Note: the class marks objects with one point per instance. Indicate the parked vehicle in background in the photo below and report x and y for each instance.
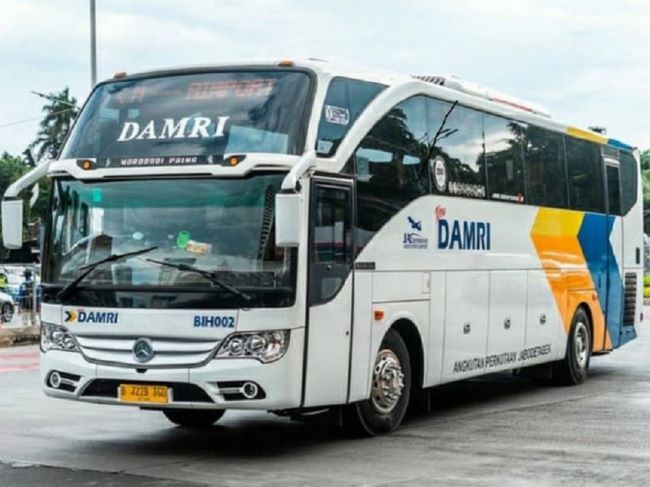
(7, 307)
(15, 275)
(303, 237)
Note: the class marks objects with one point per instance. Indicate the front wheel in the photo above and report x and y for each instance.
(572, 370)
(390, 391)
(193, 418)
(6, 312)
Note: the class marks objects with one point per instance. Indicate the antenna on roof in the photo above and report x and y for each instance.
(473, 89)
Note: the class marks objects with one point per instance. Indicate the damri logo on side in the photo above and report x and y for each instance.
(201, 127)
(412, 238)
(462, 234)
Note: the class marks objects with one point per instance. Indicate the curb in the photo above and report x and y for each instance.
(10, 337)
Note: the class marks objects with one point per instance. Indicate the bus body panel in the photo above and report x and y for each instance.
(363, 323)
(328, 345)
(466, 324)
(434, 349)
(281, 381)
(507, 318)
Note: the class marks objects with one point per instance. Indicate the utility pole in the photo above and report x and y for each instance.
(93, 46)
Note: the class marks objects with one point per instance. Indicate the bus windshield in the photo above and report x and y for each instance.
(200, 114)
(223, 226)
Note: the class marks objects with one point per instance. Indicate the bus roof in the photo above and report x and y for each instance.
(449, 88)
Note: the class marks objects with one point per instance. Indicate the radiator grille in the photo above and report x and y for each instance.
(629, 310)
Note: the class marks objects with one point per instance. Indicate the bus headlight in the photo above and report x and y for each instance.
(265, 346)
(55, 337)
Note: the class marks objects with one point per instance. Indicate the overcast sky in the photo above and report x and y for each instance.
(587, 61)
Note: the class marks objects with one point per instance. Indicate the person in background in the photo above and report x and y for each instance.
(26, 299)
(3, 280)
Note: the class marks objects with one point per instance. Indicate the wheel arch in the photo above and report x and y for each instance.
(411, 336)
(587, 309)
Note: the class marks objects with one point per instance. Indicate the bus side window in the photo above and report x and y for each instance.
(458, 158)
(629, 182)
(390, 166)
(344, 102)
(504, 158)
(585, 175)
(545, 168)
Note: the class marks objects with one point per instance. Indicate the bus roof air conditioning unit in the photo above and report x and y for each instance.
(473, 89)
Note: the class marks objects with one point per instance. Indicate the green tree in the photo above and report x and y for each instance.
(59, 113)
(645, 172)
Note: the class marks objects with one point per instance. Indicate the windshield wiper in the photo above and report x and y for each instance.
(87, 269)
(210, 275)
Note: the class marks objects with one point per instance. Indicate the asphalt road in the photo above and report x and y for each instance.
(500, 430)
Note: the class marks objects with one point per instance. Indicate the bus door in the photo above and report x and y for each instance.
(615, 293)
(330, 291)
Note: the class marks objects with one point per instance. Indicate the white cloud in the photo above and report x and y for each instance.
(586, 59)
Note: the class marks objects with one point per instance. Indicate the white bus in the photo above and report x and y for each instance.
(299, 237)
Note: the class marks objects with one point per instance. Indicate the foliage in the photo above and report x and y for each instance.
(59, 113)
(645, 171)
(646, 281)
(11, 168)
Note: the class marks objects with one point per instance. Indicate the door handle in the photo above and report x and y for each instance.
(467, 327)
(506, 323)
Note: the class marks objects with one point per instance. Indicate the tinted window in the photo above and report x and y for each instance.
(629, 181)
(613, 189)
(503, 155)
(206, 114)
(546, 168)
(332, 242)
(585, 175)
(344, 102)
(458, 159)
(390, 165)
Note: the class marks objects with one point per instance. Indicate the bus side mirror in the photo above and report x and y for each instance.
(12, 223)
(287, 219)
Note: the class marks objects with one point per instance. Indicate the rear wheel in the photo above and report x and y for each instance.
(193, 418)
(390, 391)
(574, 367)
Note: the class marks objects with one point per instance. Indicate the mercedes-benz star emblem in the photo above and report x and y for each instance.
(143, 350)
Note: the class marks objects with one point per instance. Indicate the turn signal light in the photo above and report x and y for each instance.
(379, 314)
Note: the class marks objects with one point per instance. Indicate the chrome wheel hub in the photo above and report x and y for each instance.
(387, 382)
(581, 343)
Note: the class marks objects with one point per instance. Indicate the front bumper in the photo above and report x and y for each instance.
(212, 386)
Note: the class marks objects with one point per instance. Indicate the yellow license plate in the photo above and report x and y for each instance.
(144, 394)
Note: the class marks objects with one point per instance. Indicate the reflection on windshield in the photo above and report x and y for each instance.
(221, 225)
(202, 114)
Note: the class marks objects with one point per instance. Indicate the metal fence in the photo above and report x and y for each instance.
(20, 295)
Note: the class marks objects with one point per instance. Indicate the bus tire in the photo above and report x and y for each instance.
(390, 390)
(7, 312)
(573, 369)
(193, 418)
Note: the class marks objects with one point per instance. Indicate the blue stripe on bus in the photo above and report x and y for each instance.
(594, 237)
(619, 145)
